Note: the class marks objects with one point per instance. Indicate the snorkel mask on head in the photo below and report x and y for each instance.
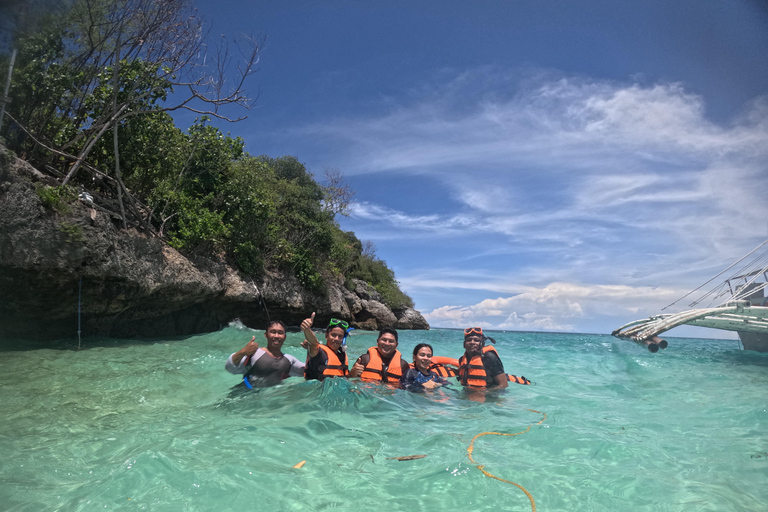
(477, 332)
(469, 331)
(474, 332)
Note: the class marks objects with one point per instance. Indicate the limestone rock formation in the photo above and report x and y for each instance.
(54, 265)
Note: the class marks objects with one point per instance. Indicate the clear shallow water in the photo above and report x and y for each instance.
(153, 426)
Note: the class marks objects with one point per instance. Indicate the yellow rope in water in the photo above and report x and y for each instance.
(486, 473)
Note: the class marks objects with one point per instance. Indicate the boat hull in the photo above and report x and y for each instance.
(754, 341)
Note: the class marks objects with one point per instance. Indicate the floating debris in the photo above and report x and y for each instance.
(407, 457)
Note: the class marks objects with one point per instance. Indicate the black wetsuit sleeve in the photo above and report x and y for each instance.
(439, 379)
(315, 365)
(408, 380)
(493, 367)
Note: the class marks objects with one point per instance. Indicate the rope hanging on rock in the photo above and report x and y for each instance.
(261, 298)
(79, 302)
(490, 475)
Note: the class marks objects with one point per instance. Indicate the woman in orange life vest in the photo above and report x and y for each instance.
(421, 376)
(327, 360)
(480, 366)
(382, 363)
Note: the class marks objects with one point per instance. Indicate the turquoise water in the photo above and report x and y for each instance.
(152, 426)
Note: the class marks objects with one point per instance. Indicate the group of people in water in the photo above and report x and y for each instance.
(480, 368)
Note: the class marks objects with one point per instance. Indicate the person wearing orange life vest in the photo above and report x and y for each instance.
(480, 366)
(382, 363)
(327, 360)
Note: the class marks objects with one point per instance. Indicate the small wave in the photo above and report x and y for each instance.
(240, 326)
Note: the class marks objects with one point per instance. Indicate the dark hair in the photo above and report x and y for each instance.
(421, 346)
(387, 330)
(273, 322)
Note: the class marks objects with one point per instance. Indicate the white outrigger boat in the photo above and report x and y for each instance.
(745, 309)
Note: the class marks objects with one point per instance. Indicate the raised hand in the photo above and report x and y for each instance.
(357, 369)
(313, 346)
(308, 322)
(251, 347)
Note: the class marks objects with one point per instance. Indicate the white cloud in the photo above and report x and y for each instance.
(555, 307)
(559, 181)
(598, 123)
(534, 322)
(540, 164)
(401, 220)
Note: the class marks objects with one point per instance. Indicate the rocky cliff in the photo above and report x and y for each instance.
(54, 264)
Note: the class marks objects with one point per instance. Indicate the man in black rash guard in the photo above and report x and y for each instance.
(480, 367)
(268, 366)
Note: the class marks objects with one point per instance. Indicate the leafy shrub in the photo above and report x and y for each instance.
(58, 199)
(198, 229)
(72, 232)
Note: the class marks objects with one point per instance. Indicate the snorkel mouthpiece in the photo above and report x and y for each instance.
(344, 339)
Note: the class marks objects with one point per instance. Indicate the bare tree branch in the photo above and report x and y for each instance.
(338, 193)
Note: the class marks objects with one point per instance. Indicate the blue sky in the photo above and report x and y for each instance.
(525, 165)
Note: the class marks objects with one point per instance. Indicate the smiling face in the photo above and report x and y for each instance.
(473, 345)
(422, 359)
(275, 335)
(334, 337)
(387, 344)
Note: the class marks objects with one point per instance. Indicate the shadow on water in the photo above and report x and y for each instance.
(20, 345)
(741, 358)
(340, 396)
(235, 330)
(716, 351)
(331, 395)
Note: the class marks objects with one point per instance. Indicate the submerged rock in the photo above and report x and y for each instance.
(123, 283)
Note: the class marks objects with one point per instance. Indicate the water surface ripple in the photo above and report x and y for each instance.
(157, 426)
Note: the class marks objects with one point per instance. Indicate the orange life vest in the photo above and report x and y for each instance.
(473, 374)
(443, 371)
(445, 360)
(439, 369)
(440, 366)
(518, 380)
(333, 367)
(374, 372)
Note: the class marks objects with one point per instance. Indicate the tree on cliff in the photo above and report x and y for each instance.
(104, 62)
(19, 17)
(120, 67)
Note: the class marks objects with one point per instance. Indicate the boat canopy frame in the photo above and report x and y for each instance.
(744, 310)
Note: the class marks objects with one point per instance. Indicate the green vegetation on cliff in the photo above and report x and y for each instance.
(92, 90)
